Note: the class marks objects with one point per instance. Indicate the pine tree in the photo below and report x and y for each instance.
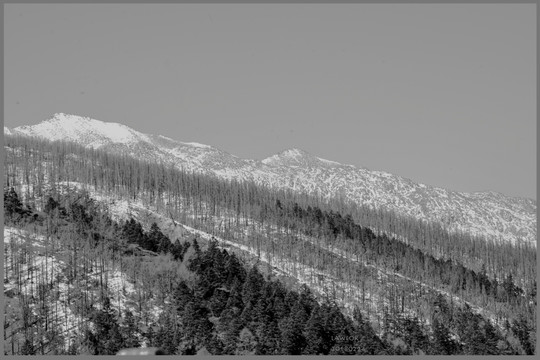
(292, 339)
(235, 296)
(414, 337)
(130, 329)
(314, 334)
(106, 339)
(13, 207)
(51, 205)
(230, 325)
(523, 330)
(28, 348)
(269, 338)
(442, 343)
(167, 337)
(196, 327)
(177, 251)
(252, 288)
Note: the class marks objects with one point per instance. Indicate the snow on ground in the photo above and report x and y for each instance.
(37, 267)
(383, 274)
(306, 275)
(319, 281)
(20, 236)
(195, 144)
(347, 295)
(44, 267)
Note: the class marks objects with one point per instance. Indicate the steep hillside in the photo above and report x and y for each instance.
(98, 220)
(487, 214)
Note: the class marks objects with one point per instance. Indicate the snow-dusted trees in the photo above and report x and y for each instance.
(306, 236)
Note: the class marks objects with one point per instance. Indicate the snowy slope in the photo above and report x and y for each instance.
(491, 214)
(88, 132)
(486, 213)
(322, 281)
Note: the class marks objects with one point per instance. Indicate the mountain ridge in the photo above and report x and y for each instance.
(297, 152)
(487, 213)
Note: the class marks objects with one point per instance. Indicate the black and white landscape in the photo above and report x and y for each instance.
(148, 241)
(352, 179)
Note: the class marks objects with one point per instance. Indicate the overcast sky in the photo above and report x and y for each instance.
(441, 94)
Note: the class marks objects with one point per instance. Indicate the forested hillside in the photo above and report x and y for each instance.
(486, 214)
(103, 246)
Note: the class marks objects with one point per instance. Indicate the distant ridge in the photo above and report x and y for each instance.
(490, 214)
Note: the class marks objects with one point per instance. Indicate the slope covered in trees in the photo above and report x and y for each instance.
(218, 304)
(432, 270)
(38, 162)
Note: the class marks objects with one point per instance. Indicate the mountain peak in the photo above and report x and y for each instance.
(67, 119)
(298, 157)
(71, 120)
(84, 130)
(295, 153)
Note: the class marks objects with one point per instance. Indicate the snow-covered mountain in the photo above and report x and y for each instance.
(490, 214)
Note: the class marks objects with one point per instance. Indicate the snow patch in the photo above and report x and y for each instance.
(194, 144)
(330, 162)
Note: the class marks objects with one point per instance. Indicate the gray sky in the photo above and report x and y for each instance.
(441, 94)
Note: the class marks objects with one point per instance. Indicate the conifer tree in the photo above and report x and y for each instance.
(442, 343)
(314, 334)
